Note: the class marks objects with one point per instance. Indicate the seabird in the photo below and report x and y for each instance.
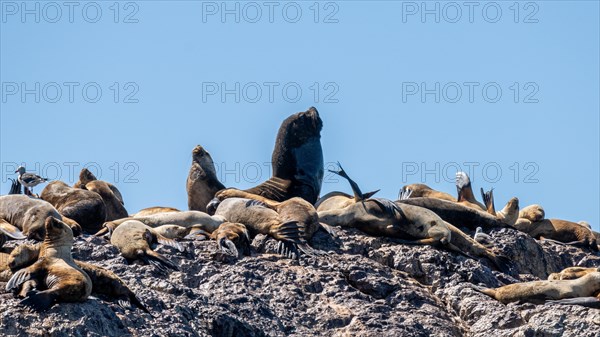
(29, 179)
(483, 238)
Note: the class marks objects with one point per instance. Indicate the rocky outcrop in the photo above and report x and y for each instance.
(359, 286)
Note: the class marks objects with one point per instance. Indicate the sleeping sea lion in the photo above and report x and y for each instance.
(54, 276)
(572, 273)
(562, 231)
(539, 291)
(113, 200)
(154, 210)
(133, 239)
(24, 217)
(422, 190)
(85, 207)
(532, 213)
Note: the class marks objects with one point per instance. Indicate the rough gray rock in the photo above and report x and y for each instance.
(360, 286)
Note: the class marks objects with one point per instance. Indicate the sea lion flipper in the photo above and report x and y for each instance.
(197, 234)
(370, 194)
(590, 302)
(169, 242)
(328, 229)
(227, 247)
(18, 279)
(404, 193)
(157, 259)
(39, 301)
(11, 231)
(358, 196)
(488, 200)
(288, 249)
(291, 231)
(15, 187)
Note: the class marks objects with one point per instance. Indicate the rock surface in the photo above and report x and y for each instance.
(362, 286)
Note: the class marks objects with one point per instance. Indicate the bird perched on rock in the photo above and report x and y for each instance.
(29, 179)
(482, 238)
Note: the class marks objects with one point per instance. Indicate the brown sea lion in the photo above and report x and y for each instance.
(538, 292)
(113, 200)
(85, 207)
(563, 231)
(24, 217)
(572, 273)
(153, 210)
(422, 190)
(229, 236)
(104, 281)
(532, 213)
(133, 239)
(508, 215)
(202, 182)
(54, 276)
(5, 272)
(461, 215)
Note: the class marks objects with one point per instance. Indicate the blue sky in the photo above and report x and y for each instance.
(393, 88)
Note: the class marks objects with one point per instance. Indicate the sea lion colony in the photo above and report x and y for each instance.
(286, 207)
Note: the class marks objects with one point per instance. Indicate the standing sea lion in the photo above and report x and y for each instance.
(113, 200)
(104, 281)
(539, 291)
(54, 276)
(22, 216)
(85, 207)
(559, 230)
(133, 239)
(202, 182)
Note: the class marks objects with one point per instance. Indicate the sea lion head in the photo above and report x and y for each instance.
(203, 158)
(57, 232)
(301, 126)
(22, 256)
(85, 176)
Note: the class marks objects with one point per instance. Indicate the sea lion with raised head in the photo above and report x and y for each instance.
(104, 281)
(537, 292)
(54, 276)
(133, 239)
(85, 207)
(22, 216)
(297, 162)
(562, 231)
(508, 215)
(113, 200)
(202, 182)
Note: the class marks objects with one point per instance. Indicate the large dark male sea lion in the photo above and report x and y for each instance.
(22, 216)
(85, 207)
(297, 162)
(54, 276)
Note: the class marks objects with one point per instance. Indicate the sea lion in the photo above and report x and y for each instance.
(113, 200)
(186, 219)
(229, 236)
(537, 292)
(410, 225)
(532, 213)
(508, 215)
(461, 215)
(563, 231)
(15, 186)
(202, 182)
(153, 210)
(85, 207)
(297, 162)
(133, 239)
(24, 217)
(54, 276)
(465, 192)
(572, 273)
(422, 190)
(104, 281)
(289, 227)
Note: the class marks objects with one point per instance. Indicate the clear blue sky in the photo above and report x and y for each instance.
(369, 59)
